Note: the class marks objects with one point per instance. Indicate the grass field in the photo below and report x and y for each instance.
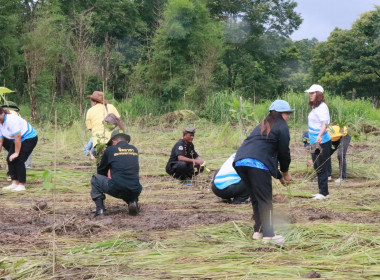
(186, 232)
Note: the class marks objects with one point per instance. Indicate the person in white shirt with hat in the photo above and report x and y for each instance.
(318, 121)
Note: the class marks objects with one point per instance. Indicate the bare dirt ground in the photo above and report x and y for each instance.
(163, 207)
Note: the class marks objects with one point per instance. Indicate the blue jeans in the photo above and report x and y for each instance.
(88, 148)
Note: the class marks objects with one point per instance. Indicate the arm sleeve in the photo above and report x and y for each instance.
(195, 154)
(88, 121)
(324, 114)
(15, 124)
(179, 150)
(283, 149)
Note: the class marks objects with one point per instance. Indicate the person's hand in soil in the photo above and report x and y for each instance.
(286, 179)
(309, 163)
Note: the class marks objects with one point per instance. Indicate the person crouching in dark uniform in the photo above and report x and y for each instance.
(184, 161)
(122, 160)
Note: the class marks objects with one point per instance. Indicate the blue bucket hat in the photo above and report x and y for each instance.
(281, 106)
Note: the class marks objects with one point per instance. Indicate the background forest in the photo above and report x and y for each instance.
(156, 56)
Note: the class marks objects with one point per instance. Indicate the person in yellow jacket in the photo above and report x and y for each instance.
(340, 142)
(100, 108)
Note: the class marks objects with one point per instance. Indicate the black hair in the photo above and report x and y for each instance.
(269, 121)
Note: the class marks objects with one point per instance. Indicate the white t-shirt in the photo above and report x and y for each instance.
(316, 118)
(227, 175)
(13, 125)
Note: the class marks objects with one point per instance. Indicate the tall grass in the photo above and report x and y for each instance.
(139, 106)
(353, 111)
(216, 108)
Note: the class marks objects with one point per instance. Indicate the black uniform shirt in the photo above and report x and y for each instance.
(123, 161)
(183, 149)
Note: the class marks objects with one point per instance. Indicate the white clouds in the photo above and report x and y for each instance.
(320, 17)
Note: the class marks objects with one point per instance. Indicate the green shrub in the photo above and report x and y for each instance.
(139, 106)
(216, 108)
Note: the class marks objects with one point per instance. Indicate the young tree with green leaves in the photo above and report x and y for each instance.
(11, 60)
(185, 51)
(42, 44)
(349, 61)
(256, 33)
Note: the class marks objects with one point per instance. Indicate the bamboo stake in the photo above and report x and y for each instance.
(54, 188)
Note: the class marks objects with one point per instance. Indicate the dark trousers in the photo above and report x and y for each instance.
(239, 191)
(321, 166)
(341, 148)
(99, 186)
(16, 167)
(182, 170)
(259, 183)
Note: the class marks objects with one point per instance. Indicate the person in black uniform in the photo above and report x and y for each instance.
(122, 160)
(184, 161)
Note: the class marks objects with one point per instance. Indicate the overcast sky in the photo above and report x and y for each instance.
(320, 17)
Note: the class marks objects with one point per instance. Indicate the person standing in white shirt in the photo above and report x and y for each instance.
(318, 120)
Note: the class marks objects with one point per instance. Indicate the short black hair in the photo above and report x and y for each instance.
(122, 138)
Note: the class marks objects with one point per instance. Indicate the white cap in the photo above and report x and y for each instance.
(315, 88)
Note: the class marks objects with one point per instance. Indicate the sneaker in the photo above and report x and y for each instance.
(329, 178)
(133, 208)
(257, 235)
(19, 188)
(10, 187)
(9, 179)
(277, 239)
(320, 196)
(339, 180)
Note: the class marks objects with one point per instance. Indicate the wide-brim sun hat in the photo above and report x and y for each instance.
(281, 106)
(315, 88)
(117, 133)
(10, 105)
(98, 96)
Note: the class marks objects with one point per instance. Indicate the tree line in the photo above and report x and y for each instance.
(175, 50)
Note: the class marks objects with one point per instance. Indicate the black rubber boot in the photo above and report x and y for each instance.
(133, 208)
(99, 207)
